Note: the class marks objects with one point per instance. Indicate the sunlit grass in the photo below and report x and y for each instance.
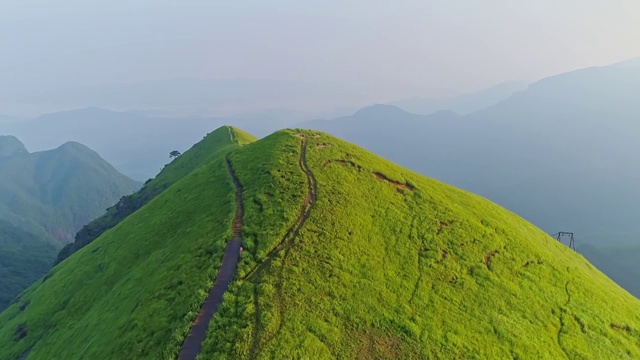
(389, 265)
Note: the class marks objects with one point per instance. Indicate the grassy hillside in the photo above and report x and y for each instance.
(212, 146)
(420, 270)
(347, 256)
(557, 153)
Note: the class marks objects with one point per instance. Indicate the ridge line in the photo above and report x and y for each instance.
(192, 344)
(286, 243)
(232, 134)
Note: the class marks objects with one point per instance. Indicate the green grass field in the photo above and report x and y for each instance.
(389, 264)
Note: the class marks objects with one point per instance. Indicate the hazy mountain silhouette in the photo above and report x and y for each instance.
(192, 96)
(53, 193)
(463, 104)
(134, 143)
(45, 197)
(11, 147)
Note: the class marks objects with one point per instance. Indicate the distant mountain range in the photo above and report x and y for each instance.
(45, 197)
(170, 115)
(135, 143)
(188, 97)
(562, 153)
(463, 104)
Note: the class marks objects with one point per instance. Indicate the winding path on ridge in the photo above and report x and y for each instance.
(286, 244)
(193, 343)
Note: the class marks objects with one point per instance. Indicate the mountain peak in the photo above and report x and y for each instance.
(379, 110)
(76, 148)
(10, 146)
(73, 145)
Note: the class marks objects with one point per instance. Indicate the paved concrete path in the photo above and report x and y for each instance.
(193, 343)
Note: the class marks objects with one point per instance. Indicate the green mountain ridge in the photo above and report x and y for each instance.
(66, 187)
(45, 197)
(214, 144)
(379, 262)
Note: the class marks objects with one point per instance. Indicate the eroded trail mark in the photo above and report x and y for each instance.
(533, 262)
(443, 256)
(487, 258)
(232, 133)
(344, 162)
(193, 343)
(443, 224)
(286, 244)
(400, 185)
(563, 311)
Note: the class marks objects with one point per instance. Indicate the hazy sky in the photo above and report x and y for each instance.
(388, 47)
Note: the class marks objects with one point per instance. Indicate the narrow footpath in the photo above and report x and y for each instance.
(193, 343)
(285, 244)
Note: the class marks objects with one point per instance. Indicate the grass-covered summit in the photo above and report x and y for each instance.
(346, 256)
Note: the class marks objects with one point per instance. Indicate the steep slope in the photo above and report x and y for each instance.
(420, 142)
(212, 146)
(562, 154)
(346, 255)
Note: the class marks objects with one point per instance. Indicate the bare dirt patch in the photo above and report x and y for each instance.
(533, 262)
(343, 162)
(397, 184)
(621, 327)
(488, 257)
(374, 346)
(443, 256)
(443, 224)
